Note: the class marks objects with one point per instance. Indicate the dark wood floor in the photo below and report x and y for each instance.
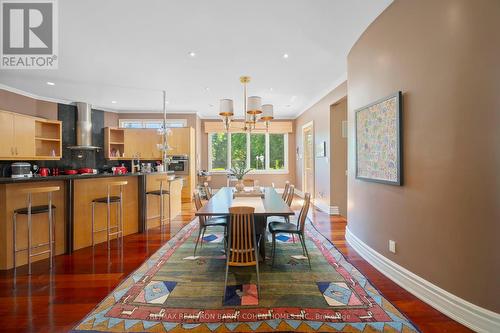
(45, 302)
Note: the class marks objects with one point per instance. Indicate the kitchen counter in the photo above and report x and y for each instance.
(73, 213)
(8, 180)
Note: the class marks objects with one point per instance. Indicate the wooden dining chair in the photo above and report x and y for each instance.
(285, 190)
(242, 248)
(208, 191)
(249, 182)
(206, 222)
(291, 228)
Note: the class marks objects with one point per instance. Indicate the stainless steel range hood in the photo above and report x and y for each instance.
(84, 127)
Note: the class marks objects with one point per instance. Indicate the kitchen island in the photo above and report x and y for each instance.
(73, 209)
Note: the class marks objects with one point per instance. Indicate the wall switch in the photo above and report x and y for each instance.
(392, 246)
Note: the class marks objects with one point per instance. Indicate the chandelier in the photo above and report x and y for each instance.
(253, 110)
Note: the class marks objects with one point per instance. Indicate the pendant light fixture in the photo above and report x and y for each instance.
(252, 109)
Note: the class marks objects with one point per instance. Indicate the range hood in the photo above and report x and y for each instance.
(84, 127)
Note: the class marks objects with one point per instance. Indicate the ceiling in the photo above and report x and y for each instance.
(127, 51)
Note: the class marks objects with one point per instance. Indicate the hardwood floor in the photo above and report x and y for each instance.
(45, 302)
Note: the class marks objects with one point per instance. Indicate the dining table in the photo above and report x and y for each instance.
(271, 204)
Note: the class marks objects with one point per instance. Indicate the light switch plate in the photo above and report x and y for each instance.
(392, 246)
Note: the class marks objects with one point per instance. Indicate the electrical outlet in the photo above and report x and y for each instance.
(392, 246)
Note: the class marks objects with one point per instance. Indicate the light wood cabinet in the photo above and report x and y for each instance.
(7, 130)
(179, 141)
(131, 142)
(26, 137)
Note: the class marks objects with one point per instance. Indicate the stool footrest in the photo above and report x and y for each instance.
(115, 233)
(39, 253)
(111, 227)
(34, 246)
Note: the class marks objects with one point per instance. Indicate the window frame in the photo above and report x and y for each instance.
(267, 170)
(144, 122)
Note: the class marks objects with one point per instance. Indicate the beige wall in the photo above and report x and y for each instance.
(10, 101)
(264, 179)
(338, 157)
(444, 56)
(319, 114)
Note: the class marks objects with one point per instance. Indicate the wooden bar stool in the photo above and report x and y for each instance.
(108, 200)
(160, 193)
(29, 211)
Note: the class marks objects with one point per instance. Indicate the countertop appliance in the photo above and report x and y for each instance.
(119, 170)
(179, 164)
(86, 171)
(21, 170)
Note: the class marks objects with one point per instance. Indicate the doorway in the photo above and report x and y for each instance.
(338, 157)
(308, 160)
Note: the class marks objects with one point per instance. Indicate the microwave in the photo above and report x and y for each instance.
(179, 164)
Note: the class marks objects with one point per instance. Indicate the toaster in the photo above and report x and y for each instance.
(21, 170)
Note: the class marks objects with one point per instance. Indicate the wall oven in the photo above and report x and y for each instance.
(179, 164)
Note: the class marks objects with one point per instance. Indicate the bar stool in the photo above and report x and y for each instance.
(108, 200)
(160, 193)
(29, 211)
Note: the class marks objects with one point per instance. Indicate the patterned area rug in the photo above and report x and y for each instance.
(175, 292)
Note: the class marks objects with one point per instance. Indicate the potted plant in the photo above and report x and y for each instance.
(239, 171)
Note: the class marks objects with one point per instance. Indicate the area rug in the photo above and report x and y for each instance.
(176, 292)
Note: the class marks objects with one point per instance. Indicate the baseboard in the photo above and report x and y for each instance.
(464, 312)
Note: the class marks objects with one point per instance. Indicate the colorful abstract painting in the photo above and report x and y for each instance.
(378, 141)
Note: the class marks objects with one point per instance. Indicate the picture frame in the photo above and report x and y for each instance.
(378, 140)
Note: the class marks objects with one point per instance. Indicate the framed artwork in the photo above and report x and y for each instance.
(321, 149)
(378, 141)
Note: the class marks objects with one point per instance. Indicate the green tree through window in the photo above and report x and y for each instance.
(219, 151)
(238, 149)
(258, 151)
(276, 151)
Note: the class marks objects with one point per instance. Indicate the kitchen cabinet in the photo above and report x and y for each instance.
(180, 140)
(18, 136)
(26, 137)
(130, 142)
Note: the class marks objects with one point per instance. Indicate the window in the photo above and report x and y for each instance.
(151, 123)
(218, 151)
(238, 150)
(258, 151)
(262, 152)
(276, 151)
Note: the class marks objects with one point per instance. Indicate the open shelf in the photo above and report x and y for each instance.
(48, 139)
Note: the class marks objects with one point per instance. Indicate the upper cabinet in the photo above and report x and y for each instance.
(29, 138)
(126, 143)
(180, 141)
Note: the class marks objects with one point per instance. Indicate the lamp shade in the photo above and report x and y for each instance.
(267, 112)
(226, 108)
(254, 105)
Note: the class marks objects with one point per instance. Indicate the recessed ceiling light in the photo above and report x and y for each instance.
(113, 102)
(192, 54)
(285, 56)
(270, 89)
(207, 88)
(211, 105)
(288, 106)
(51, 83)
(167, 102)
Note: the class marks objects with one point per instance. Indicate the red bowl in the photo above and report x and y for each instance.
(71, 172)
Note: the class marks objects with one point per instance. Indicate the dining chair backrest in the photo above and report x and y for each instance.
(242, 238)
(301, 222)
(248, 182)
(289, 197)
(285, 190)
(199, 205)
(208, 190)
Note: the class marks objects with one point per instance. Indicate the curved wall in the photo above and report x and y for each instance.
(445, 57)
